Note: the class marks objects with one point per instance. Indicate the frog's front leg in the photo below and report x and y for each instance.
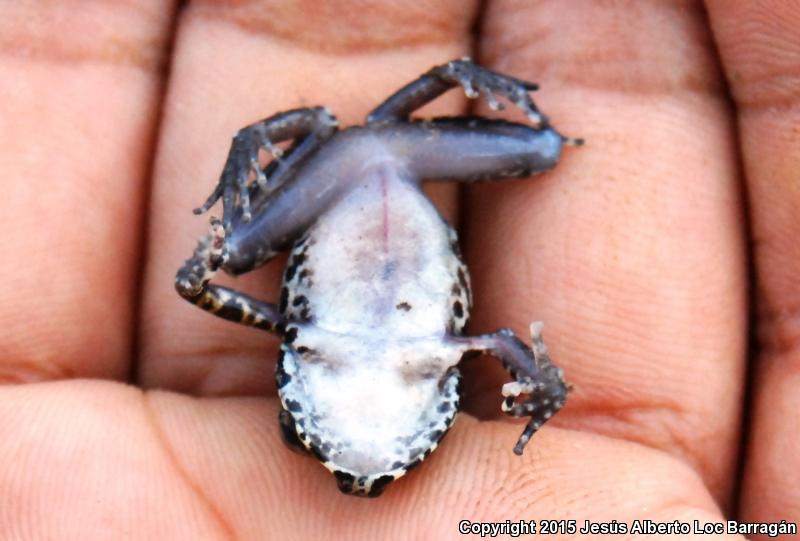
(192, 283)
(534, 375)
(309, 127)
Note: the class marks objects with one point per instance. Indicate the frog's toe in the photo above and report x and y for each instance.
(213, 198)
(546, 391)
(490, 98)
(477, 80)
(545, 398)
(261, 177)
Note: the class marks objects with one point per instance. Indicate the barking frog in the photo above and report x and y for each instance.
(375, 294)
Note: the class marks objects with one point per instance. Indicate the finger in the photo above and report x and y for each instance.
(212, 468)
(80, 98)
(759, 49)
(631, 251)
(84, 460)
(349, 64)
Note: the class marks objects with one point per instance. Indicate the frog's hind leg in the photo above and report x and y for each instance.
(474, 79)
(534, 375)
(470, 148)
(308, 127)
(222, 248)
(192, 283)
(474, 149)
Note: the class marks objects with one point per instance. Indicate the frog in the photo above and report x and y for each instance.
(375, 296)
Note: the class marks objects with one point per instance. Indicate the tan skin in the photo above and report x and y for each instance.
(636, 251)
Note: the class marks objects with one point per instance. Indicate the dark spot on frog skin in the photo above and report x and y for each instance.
(444, 407)
(281, 377)
(284, 299)
(456, 291)
(300, 299)
(462, 279)
(229, 312)
(403, 306)
(458, 309)
(264, 325)
(302, 350)
(294, 406)
(397, 465)
(315, 440)
(290, 335)
(297, 261)
(289, 432)
(379, 484)
(345, 481)
(317, 452)
(435, 435)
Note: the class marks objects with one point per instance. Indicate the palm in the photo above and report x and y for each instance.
(634, 253)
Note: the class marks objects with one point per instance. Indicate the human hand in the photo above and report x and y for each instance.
(634, 251)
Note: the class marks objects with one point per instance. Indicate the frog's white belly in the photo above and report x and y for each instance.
(381, 257)
(370, 406)
(376, 289)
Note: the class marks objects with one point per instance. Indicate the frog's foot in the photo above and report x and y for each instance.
(546, 389)
(192, 283)
(479, 81)
(235, 178)
(234, 186)
(534, 373)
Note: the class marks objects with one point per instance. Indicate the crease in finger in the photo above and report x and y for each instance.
(759, 50)
(151, 416)
(77, 143)
(343, 28)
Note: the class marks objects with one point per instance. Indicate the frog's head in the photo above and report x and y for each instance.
(368, 424)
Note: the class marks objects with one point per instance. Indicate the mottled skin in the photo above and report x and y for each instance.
(375, 295)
